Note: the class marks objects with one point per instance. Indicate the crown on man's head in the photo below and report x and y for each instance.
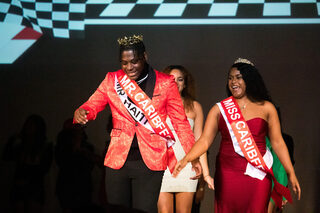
(243, 60)
(126, 41)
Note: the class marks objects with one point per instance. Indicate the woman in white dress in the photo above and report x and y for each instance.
(183, 188)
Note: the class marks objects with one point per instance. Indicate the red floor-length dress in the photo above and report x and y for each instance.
(235, 191)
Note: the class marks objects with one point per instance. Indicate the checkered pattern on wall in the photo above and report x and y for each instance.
(22, 22)
(59, 18)
(203, 9)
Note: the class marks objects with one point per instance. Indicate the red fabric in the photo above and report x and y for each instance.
(166, 99)
(157, 122)
(234, 117)
(236, 192)
(28, 33)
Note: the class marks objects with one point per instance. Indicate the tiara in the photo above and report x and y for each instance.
(126, 41)
(243, 60)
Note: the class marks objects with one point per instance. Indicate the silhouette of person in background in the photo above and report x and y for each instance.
(76, 159)
(287, 138)
(32, 155)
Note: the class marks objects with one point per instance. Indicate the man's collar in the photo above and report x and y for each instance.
(144, 74)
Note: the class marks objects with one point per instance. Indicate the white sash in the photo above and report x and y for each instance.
(134, 111)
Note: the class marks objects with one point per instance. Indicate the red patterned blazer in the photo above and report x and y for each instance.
(153, 148)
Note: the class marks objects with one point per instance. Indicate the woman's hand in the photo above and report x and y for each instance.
(209, 181)
(179, 166)
(294, 184)
(196, 166)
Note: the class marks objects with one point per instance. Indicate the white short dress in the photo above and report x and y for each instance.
(182, 183)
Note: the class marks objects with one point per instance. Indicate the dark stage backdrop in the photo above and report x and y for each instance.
(55, 76)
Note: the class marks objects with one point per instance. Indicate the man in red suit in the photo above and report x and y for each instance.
(137, 155)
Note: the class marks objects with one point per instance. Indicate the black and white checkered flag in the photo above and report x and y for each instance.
(58, 18)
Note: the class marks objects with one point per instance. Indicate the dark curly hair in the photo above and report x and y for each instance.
(138, 49)
(188, 92)
(256, 89)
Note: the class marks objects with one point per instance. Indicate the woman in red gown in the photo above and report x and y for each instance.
(236, 191)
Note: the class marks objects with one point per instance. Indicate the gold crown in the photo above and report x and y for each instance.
(243, 60)
(126, 41)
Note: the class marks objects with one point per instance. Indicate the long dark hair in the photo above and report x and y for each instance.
(188, 92)
(256, 89)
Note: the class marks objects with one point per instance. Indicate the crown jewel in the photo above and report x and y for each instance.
(126, 41)
(243, 60)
